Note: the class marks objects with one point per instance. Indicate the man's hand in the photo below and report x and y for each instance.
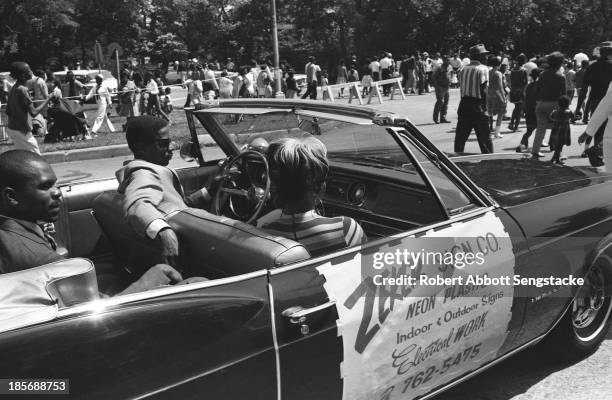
(193, 279)
(157, 275)
(582, 138)
(169, 244)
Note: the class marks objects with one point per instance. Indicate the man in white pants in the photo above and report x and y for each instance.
(602, 113)
(103, 99)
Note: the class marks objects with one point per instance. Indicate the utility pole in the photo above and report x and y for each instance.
(277, 71)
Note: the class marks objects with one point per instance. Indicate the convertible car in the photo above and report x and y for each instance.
(400, 316)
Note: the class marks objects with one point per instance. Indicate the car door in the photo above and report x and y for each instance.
(343, 332)
(203, 340)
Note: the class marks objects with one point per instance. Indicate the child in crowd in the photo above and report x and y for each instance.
(166, 101)
(292, 89)
(561, 131)
(529, 106)
(324, 83)
(366, 78)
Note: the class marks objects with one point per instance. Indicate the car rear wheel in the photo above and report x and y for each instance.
(586, 323)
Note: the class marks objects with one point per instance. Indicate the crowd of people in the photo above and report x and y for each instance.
(56, 111)
(535, 86)
(541, 88)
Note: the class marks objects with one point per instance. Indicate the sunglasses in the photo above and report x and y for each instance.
(163, 143)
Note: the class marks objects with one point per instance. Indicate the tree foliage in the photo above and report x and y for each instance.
(64, 31)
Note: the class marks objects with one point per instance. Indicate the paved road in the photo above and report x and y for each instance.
(527, 376)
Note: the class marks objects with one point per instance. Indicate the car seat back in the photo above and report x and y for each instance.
(209, 245)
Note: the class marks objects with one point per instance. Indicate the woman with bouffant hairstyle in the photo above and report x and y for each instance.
(298, 170)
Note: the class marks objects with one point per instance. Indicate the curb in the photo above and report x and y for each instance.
(93, 153)
(117, 150)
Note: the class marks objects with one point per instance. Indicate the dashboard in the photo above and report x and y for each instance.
(382, 204)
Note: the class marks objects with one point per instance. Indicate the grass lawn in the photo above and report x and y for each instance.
(178, 131)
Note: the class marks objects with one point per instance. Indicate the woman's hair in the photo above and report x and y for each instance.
(564, 102)
(297, 167)
(555, 60)
(535, 73)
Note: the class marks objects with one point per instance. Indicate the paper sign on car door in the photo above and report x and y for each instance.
(410, 322)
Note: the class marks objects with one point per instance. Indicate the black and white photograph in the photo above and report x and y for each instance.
(306, 199)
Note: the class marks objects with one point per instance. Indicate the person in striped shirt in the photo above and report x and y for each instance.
(472, 112)
(298, 169)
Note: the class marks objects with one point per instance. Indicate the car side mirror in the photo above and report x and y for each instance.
(189, 151)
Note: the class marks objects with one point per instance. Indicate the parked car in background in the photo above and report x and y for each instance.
(88, 77)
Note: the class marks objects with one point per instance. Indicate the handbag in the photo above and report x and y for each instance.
(595, 155)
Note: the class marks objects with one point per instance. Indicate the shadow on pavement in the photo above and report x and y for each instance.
(510, 378)
(426, 124)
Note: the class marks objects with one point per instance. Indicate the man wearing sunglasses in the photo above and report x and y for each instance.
(151, 189)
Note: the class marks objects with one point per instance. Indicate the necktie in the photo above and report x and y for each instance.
(48, 229)
(51, 241)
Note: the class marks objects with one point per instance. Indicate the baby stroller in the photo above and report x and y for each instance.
(66, 120)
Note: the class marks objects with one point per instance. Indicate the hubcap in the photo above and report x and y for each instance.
(591, 308)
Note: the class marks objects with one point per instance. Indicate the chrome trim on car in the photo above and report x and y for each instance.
(462, 178)
(102, 304)
(275, 341)
(378, 242)
(441, 163)
(304, 312)
(419, 168)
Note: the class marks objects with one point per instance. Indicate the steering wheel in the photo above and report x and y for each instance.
(235, 180)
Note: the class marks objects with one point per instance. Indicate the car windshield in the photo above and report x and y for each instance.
(348, 139)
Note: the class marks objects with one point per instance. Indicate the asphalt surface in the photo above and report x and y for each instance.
(526, 376)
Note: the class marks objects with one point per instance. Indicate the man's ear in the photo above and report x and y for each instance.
(139, 148)
(9, 197)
